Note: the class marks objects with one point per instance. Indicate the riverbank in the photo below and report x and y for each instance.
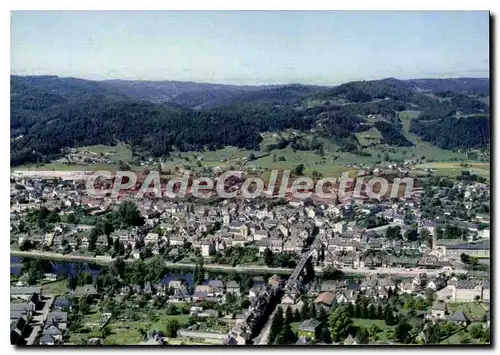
(251, 269)
(107, 260)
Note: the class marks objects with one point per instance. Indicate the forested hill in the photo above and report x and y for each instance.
(49, 113)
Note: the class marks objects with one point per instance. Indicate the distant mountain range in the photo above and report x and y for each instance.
(50, 112)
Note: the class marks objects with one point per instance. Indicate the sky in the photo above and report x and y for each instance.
(250, 47)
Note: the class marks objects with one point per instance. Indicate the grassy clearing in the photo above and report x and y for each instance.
(369, 137)
(59, 287)
(471, 309)
(452, 169)
(128, 332)
(367, 323)
(116, 153)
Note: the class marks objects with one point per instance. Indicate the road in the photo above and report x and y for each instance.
(39, 320)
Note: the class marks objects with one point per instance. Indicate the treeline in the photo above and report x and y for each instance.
(453, 133)
(391, 135)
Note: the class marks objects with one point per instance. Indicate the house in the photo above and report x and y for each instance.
(216, 288)
(27, 293)
(459, 318)
(209, 313)
(180, 295)
(350, 340)
(309, 328)
(233, 287)
(290, 299)
(199, 295)
(438, 309)
(85, 290)
(17, 331)
(194, 310)
(348, 296)
(125, 290)
(274, 281)
(47, 340)
(58, 318)
(406, 287)
(207, 249)
(437, 283)
(255, 291)
(151, 238)
(53, 331)
(325, 299)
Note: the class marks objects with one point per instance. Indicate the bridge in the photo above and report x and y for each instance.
(298, 269)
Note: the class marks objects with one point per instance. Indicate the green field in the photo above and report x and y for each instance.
(332, 163)
(471, 309)
(59, 287)
(127, 332)
(452, 169)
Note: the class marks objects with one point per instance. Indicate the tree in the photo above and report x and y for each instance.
(171, 328)
(304, 312)
(129, 214)
(357, 310)
(389, 316)
(339, 322)
(276, 324)
(312, 311)
(476, 331)
(380, 312)
(374, 329)
(72, 283)
(297, 316)
(268, 257)
(325, 336)
(286, 336)
(289, 317)
(362, 335)
(94, 234)
(26, 245)
(371, 312)
(402, 333)
(350, 309)
(432, 332)
(322, 315)
(299, 169)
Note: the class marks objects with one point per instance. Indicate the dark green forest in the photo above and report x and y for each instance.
(50, 113)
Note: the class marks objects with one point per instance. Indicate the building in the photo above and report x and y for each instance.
(309, 328)
(438, 309)
(233, 287)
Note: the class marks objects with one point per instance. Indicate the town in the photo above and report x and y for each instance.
(115, 270)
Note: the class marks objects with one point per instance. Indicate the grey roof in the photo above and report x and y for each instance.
(46, 339)
(309, 325)
(232, 284)
(25, 290)
(17, 314)
(60, 317)
(85, 290)
(439, 306)
(469, 246)
(25, 306)
(466, 284)
(51, 330)
(459, 317)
